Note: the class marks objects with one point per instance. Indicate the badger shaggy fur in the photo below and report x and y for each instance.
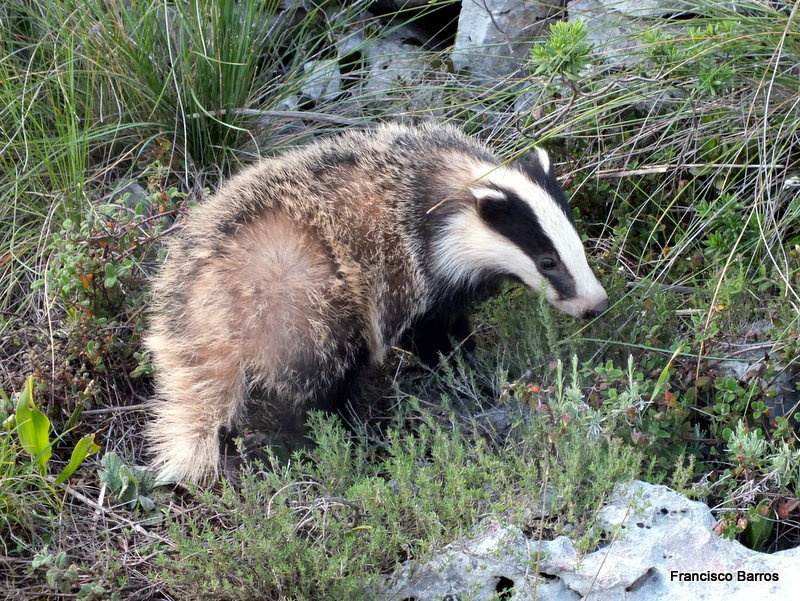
(305, 267)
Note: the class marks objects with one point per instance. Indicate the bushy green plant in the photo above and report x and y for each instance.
(99, 275)
(342, 513)
(565, 53)
(747, 449)
(785, 463)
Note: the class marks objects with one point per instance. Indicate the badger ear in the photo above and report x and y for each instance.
(490, 202)
(536, 164)
(540, 155)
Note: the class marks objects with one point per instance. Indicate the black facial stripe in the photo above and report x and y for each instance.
(515, 220)
(532, 167)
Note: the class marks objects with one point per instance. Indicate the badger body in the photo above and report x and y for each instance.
(305, 267)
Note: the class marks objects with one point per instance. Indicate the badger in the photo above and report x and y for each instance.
(304, 268)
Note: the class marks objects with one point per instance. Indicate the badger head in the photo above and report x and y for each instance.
(515, 220)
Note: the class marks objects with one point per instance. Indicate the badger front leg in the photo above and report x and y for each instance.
(436, 334)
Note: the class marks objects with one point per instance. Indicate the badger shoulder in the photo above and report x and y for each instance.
(361, 192)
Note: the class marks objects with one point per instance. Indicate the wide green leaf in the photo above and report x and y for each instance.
(33, 427)
(760, 525)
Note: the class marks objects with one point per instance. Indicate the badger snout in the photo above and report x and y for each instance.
(588, 302)
(597, 310)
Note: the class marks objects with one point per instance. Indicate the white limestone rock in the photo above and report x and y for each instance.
(658, 537)
(494, 37)
(614, 25)
(323, 79)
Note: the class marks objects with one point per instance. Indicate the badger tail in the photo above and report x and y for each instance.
(193, 405)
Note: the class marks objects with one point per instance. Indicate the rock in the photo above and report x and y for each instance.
(473, 569)
(750, 365)
(289, 103)
(129, 193)
(393, 63)
(614, 25)
(323, 80)
(664, 535)
(494, 38)
(392, 66)
(661, 546)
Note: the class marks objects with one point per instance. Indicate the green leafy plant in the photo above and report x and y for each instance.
(747, 449)
(129, 485)
(60, 576)
(63, 578)
(760, 524)
(32, 427)
(785, 462)
(566, 52)
(30, 495)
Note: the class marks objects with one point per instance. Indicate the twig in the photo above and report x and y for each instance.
(280, 115)
(112, 514)
(118, 409)
(100, 498)
(653, 169)
(753, 347)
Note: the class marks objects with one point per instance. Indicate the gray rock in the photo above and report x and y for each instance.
(614, 25)
(323, 79)
(392, 67)
(393, 63)
(129, 193)
(494, 37)
(289, 103)
(658, 537)
(471, 569)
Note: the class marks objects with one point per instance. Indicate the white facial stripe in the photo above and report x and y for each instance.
(543, 158)
(468, 249)
(588, 291)
(486, 193)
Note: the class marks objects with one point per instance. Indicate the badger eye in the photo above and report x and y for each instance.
(547, 264)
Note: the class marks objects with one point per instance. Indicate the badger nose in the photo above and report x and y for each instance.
(597, 310)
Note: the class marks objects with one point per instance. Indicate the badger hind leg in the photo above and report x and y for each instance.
(203, 398)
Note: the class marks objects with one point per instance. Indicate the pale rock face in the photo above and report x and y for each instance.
(494, 38)
(656, 535)
(614, 24)
(324, 81)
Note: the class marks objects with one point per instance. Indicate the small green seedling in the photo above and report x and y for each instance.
(129, 485)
